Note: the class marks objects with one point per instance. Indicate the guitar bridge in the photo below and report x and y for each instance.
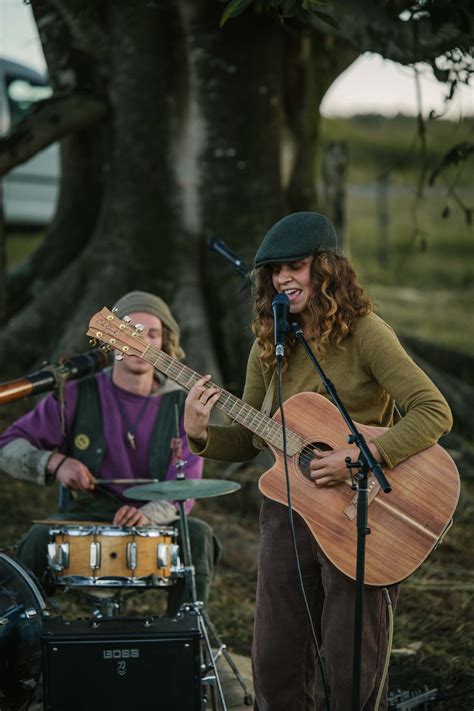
(373, 489)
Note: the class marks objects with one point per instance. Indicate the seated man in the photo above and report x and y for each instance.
(117, 424)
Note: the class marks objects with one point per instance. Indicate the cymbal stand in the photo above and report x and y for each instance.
(211, 675)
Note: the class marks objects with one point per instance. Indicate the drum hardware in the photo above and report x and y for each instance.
(179, 491)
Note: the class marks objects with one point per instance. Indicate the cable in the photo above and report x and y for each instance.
(388, 600)
(293, 539)
(452, 696)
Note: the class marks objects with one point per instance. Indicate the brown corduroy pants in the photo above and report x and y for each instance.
(283, 655)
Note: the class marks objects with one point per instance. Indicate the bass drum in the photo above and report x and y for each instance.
(22, 604)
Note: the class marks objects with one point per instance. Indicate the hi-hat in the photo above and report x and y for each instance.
(180, 490)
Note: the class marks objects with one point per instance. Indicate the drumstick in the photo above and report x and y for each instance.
(106, 482)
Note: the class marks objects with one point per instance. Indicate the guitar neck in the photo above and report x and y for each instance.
(239, 411)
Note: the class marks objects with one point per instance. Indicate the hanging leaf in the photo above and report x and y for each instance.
(328, 19)
(234, 9)
(446, 212)
(457, 154)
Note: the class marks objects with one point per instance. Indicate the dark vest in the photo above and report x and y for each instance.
(88, 422)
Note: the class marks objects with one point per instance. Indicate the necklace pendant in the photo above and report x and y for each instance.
(131, 439)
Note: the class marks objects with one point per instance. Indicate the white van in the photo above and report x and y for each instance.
(30, 191)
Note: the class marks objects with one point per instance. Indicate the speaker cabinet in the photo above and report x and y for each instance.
(122, 664)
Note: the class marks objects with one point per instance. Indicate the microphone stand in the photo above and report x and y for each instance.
(231, 257)
(366, 462)
(211, 674)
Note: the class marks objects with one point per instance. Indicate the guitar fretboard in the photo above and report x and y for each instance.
(239, 411)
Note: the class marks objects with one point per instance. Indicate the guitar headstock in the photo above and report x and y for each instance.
(116, 333)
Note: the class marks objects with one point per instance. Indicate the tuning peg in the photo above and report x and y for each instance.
(127, 319)
(106, 348)
(139, 327)
(114, 310)
(118, 356)
(93, 342)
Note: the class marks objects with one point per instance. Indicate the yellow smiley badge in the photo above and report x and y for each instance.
(82, 441)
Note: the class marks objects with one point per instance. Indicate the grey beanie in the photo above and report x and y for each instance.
(136, 301)
(296, 236)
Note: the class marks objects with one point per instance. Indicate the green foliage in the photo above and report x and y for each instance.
(301, 9)
(234, 9)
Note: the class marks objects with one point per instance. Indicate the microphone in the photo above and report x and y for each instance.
(222, 249)
(41, 381)
(280, 305)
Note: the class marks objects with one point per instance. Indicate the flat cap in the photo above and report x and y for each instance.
(144, 302)
(296, 236)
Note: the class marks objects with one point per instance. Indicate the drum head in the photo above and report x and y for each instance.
(21, 609)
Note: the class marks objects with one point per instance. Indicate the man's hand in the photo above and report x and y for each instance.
(130, 516)
(328, 468)
(72, 473)
(197, 409)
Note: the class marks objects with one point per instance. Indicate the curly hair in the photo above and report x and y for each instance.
(337, 303)
(171, 344)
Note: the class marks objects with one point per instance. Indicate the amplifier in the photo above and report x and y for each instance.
(122, 664)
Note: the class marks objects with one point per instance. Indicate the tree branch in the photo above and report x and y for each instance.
(49, 121)
(377, 27)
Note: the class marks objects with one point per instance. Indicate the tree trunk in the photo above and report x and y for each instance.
(193, 146)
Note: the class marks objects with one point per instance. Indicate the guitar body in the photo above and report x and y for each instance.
(405, 525)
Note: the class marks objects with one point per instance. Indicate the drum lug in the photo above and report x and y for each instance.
(58, 556)
(175, 560)
(30, 612)
(163, 555)
(95, 555)
(3, 621)
(131, 556)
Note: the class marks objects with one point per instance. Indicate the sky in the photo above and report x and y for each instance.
(370, 85)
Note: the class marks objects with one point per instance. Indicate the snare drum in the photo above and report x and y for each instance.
(113, 556)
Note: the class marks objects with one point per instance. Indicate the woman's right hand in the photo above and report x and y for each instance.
(197, 409)
(72, 473)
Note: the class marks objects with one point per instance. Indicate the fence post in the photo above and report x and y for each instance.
(334, 170)
(383, 219)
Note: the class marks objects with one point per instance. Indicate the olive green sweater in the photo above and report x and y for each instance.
(370, 371)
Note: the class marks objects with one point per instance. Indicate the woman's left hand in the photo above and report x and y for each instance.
(130, 516)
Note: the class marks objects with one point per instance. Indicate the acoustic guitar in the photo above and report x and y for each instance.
(405, 525)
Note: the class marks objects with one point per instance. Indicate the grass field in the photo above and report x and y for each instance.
(379, 145)
(426, 289)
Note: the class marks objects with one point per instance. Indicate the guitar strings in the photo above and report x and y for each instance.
(176, 370)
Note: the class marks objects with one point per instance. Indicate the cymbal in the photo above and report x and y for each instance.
(180, 490)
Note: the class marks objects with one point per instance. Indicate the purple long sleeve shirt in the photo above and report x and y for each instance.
(42, 428)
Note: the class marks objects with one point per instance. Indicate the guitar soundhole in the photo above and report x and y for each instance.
(307, 454)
